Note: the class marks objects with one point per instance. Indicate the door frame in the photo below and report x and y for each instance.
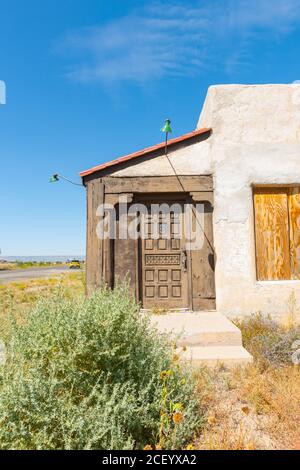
(199, 188)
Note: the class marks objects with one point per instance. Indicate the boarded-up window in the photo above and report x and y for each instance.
(277, 233)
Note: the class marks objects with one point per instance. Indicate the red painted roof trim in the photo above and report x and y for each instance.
(145, 151)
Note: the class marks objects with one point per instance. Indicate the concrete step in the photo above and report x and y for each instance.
(228, 356)
(199, 329)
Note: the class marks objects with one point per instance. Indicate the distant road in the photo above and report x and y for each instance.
(32, 273)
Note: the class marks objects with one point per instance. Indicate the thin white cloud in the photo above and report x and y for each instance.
(279, 15)
(179, 39)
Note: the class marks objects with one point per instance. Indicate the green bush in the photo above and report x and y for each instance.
(91, 374)
(267, 340)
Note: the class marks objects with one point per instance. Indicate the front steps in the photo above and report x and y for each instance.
(229, 356)
(204, 338)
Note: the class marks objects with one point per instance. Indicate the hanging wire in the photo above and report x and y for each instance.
(69, 181)
(183, 189)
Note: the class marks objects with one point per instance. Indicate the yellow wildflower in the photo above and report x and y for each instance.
(211, 420)
(190, 447)
(246, 410)
(177, 417)
(165, 373)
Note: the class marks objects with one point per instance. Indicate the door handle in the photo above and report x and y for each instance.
(183, 260)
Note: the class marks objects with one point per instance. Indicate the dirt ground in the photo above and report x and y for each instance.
(247, 409)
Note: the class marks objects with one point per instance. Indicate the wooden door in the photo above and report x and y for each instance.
(164, 261)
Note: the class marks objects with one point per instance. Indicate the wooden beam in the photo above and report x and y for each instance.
(157, 184)
(94, 245)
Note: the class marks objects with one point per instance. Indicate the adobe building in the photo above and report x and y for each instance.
(241, 166)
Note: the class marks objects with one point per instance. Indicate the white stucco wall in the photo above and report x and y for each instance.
(191, 160)
(256, 140)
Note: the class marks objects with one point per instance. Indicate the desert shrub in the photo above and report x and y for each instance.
(91, 374)
(267, 340)
(18, 298)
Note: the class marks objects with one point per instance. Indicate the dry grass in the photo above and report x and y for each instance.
(29, 265)
(230, 424)
(7, 266)
(257, 407)
(275, 393)
(17, 297)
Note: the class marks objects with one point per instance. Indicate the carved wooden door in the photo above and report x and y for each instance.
(164, 261)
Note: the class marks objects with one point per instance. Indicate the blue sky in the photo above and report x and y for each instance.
(90, 80)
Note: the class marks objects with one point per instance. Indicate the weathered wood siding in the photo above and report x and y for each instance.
(94, 244)
(125, 260)
(157, 184)
(203, 265)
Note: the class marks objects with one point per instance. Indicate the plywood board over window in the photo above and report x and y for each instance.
(294, 219)
(277, 233)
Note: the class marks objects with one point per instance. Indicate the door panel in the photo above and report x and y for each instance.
(203, 262)
(164, 261)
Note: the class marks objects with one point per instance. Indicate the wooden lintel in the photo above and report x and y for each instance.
(157, 184)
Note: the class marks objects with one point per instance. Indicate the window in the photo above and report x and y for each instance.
(277, 233)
